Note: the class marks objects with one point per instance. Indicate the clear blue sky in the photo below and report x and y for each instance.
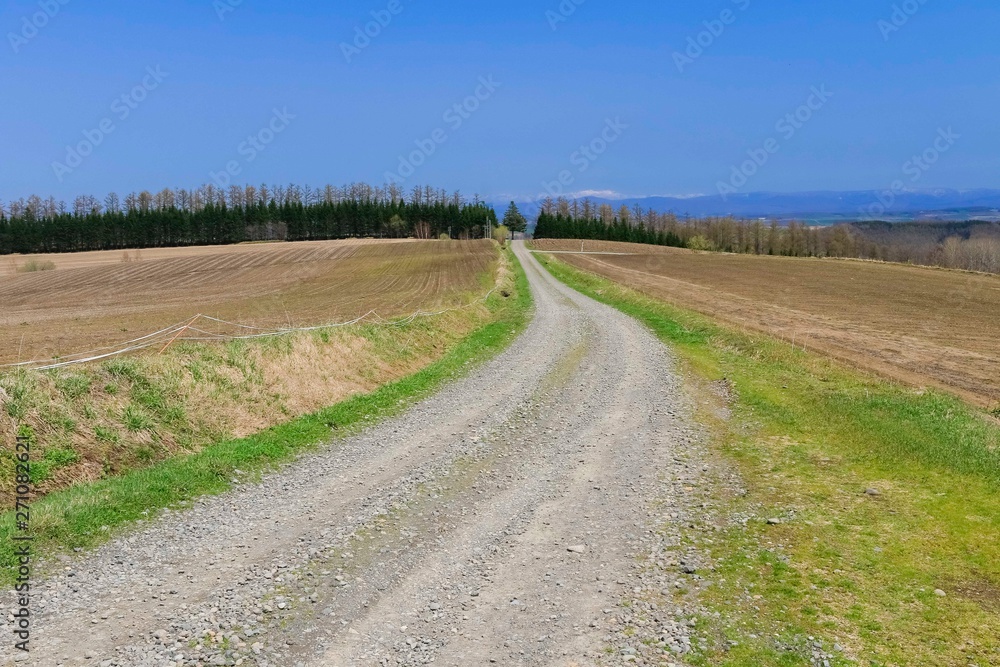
(557, 88)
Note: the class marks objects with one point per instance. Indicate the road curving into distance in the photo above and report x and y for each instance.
(524, 515)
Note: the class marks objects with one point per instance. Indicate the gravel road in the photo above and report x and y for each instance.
(527, 514)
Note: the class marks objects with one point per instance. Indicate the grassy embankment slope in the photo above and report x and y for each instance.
(809, 437)
(188, 398)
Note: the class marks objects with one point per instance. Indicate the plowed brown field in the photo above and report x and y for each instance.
(96, 299)
(922, 326)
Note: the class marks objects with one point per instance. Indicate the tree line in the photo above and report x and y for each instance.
(559, 226)
(973, 245)
(213, 216)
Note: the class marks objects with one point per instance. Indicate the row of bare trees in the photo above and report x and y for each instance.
(973, 245)
(975, 254)
(725, 234)
(235, 196)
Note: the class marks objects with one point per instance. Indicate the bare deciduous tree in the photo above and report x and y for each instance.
(35, 206)
(112, 204)
(422, 230)
(234, 197)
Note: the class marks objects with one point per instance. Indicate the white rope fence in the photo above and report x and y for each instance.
(178, 332)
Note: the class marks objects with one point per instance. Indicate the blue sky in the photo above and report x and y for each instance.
(679, 129)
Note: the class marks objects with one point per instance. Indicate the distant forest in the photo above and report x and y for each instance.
(215, 216)
(973, 245)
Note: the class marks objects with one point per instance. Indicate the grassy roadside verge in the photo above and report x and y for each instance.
(910, 576)
(87, 514)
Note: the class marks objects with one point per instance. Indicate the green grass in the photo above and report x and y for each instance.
(808, 437)
(85, 515)
(135, 419)
(73, 386)
(18, 387)
(53, 460)
(106, 434)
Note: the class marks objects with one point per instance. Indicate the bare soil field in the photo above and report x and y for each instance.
(102, 298)
(922, 326)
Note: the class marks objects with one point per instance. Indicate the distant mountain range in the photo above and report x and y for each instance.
(815, 207)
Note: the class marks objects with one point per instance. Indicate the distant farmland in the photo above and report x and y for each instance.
(94, 299)
(925, 327)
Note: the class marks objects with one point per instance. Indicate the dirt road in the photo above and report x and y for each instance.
(525, 515)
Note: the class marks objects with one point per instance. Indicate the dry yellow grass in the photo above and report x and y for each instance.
(100, 419)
